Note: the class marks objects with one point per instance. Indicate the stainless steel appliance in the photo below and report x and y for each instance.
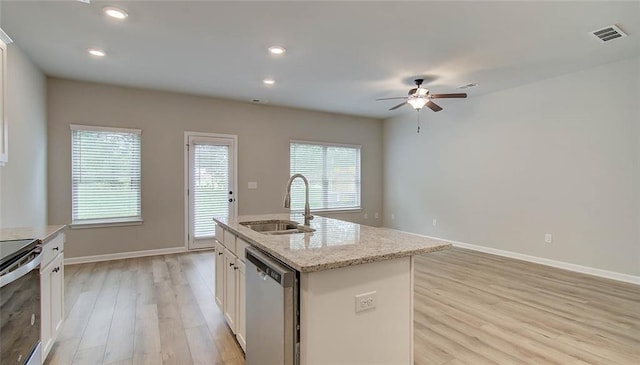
(272, 311)
(20, 302)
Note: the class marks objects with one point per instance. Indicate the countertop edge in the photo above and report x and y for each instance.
(337, 264)
(41, 233)
(53, 233)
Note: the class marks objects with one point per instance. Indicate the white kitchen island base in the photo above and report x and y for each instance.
(336, 261)
(333, 333)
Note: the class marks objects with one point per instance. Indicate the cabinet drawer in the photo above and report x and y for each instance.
(51, 249)
(229, 241)
(241, 245)
(219, 233)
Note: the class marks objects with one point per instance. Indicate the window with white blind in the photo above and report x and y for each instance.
(210, 182)
(105, 175)
(333, 172)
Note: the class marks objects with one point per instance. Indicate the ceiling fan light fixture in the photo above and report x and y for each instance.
(418, 103)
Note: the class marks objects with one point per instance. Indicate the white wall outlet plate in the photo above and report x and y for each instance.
(252, 185)
(435, 222)
(365, 301)
(548, 238)
(377, 215)
(366, 215)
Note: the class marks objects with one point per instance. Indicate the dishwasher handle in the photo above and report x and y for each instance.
(268, 268)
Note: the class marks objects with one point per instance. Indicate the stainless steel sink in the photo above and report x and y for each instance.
(272, 227)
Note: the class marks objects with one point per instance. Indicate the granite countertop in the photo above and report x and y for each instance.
(334, 244)
(43, 233)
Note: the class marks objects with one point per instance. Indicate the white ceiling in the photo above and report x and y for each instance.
(340, 55)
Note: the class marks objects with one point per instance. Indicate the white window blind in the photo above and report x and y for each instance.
(105, 175)
(333, 172)
(210, 187)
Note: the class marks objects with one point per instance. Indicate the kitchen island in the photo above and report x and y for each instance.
(336, 263)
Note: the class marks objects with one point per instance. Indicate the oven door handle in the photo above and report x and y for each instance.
(21, 271)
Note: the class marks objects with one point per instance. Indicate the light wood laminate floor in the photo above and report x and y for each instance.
(471, 308)
(476, 308)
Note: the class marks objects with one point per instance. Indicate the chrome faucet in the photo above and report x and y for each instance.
(287, 198)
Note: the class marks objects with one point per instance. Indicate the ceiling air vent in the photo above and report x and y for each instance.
(467, 86)
(609, 33)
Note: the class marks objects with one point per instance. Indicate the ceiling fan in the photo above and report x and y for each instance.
(420, 96)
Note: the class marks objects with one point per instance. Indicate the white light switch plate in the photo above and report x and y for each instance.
(253, 185)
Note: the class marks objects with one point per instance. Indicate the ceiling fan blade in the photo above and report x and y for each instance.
(448, 96)
(433, 106)
(399, 105)
(399, 97)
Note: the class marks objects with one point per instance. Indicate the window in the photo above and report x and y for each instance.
(105, 175)
(333, 172)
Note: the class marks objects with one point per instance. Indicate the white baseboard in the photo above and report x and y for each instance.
(123, 255)
(632, 279)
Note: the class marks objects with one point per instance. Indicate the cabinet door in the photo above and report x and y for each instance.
(241, 326)
(230, 289)
(51, 303)
(45, 309)
(57, 296)
(219, 273)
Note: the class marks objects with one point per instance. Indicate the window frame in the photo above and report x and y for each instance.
(333, 144)
(113, 221)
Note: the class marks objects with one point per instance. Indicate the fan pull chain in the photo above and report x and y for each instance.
(418, 117)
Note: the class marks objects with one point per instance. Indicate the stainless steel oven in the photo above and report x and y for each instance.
(20, 302)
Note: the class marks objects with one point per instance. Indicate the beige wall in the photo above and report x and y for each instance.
(23, 194)
(263, 156)
(559, 156)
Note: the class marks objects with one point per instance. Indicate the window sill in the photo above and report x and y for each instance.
(331, 211)
(106, 223)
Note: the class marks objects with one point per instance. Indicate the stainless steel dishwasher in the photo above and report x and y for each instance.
(272, 311)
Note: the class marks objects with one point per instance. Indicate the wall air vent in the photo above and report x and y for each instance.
(609, 33)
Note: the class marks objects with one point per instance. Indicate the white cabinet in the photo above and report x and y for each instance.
(230, 281)
(51, 292)
(4, 137)
(230, 309)
(241, 325)
(219, 279)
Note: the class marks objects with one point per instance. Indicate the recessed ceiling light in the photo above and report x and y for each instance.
(96, 52)
(277, 50)
(114, 12)
(268, 81)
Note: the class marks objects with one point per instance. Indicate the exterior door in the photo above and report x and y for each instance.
(211, 185)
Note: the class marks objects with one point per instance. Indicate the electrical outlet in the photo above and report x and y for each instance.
(252, 185)
(393, 216)
(548, 238)
(366, 216)
(377, 215)
(365, 301)
(435, 222)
